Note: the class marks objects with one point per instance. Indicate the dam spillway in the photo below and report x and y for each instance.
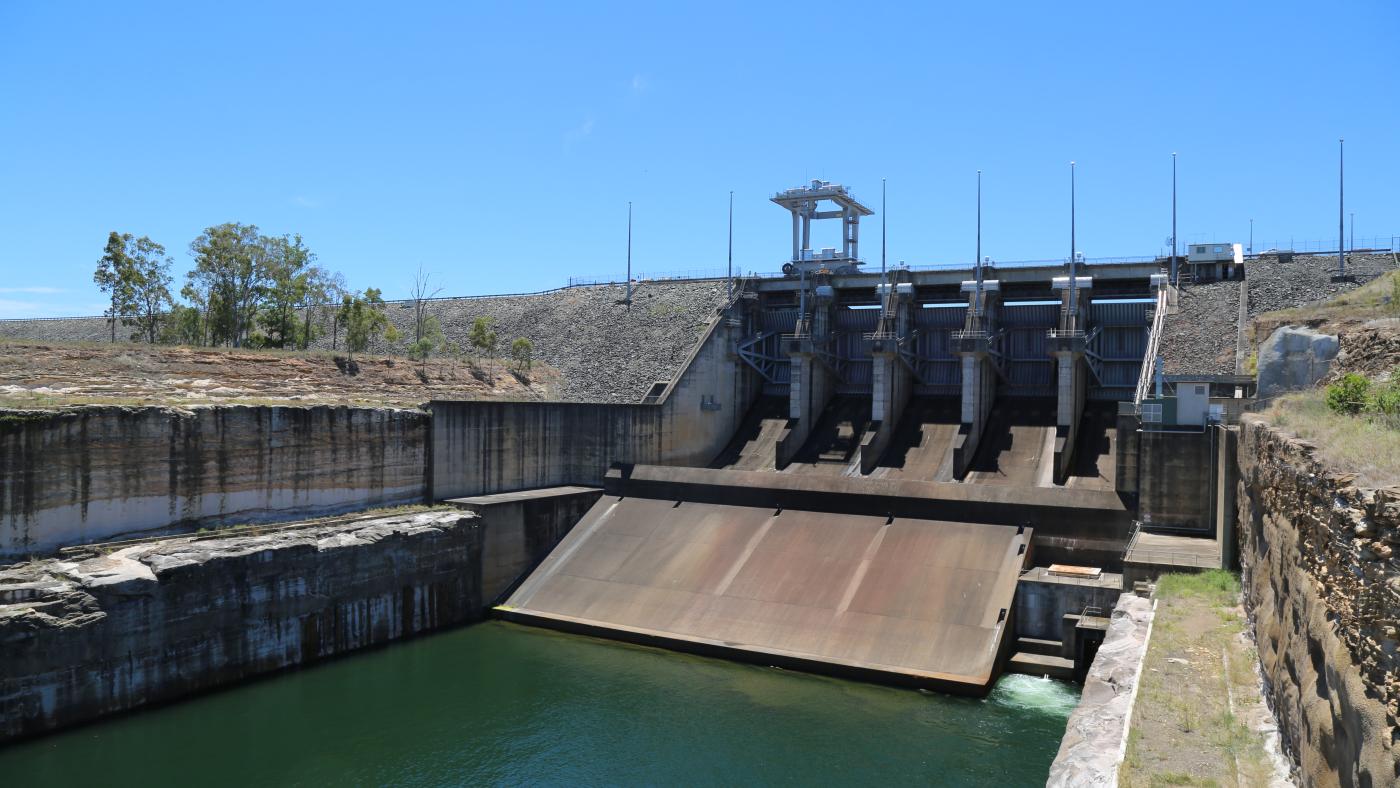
(901, 600)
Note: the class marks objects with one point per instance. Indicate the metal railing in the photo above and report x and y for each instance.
(1154, 342)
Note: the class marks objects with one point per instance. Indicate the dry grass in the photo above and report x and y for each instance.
(1379, 297)
(1365, 445)
(1197, 683)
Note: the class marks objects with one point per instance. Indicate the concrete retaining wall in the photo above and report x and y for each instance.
(489, 447)
(93, 473)
(1176, 480)
(1320, 584)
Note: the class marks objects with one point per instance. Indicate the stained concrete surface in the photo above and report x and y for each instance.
(920, 602)
(922, 445)
(1018, 447)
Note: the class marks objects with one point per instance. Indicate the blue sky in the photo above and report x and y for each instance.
(497, 144)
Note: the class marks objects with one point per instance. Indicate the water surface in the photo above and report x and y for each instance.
(498, 703)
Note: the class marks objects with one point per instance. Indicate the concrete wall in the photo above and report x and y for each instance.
(1320, 586)
(489, 447)
(1042, 600)
(520, 529)
(167, 619)
(1176, 480)
(93, 473)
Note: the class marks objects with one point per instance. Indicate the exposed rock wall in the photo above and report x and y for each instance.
(1323, 589)
(162, 620)
(91, 473)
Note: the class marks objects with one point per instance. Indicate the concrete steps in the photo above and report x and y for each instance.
(1041, 665)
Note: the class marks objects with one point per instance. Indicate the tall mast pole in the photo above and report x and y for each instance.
(884, 218)
(1174, 246)
(1073, 292)
(977, 263)
(629, 254)
(1341, 207)
(729, 282)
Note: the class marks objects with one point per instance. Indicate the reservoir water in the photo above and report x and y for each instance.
(499, 704)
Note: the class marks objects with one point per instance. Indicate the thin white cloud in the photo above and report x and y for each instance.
(32, 290)
(639, 84)
(306, 202)
(578, 132)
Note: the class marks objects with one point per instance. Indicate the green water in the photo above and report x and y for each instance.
(502, 704)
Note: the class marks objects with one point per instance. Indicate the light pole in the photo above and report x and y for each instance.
(729, 287)
(977, 263)
(1251, 236)
(629, 254)
(1341, 210)
(1073, 290)
(1352, 243)
(884, 218)
(1173, 267)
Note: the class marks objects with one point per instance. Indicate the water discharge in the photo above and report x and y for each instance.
(502, 704)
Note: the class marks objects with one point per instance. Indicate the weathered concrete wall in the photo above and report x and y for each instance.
(1042, 600)
(162, 620)
(488, 447)
(1176, 480)
(90, 473)
(520, 530)
(1324, 592)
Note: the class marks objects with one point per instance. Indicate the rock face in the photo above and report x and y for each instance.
(1323, 590)
(1093, 744)
(158, 621)
(1294, 358)
(91, 473)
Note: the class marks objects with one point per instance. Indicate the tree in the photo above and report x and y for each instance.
(364, 320)
(135, 273)
(483, 336)
(115, 277)
(150, 283)
(230, 274)
(429, 339)
(324, 289)
(523, 351)
(421, 292)
(287, 265)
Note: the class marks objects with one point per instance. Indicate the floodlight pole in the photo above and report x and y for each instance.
(977, 263)
(1341, 209)
(1251, 236)
(1173, 268)
(1073, 292)
(629, 254)
(729, 280)
(884, 218)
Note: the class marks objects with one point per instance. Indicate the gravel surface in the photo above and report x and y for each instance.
(1200, 339)
(604, 351)
(1274, 285)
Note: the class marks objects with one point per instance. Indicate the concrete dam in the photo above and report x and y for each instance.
(923, 478)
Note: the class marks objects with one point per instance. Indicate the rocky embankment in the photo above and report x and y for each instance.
(95, 634)
(603, 349)
(1094, 735)
(1322, 584)
(1201, 338)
